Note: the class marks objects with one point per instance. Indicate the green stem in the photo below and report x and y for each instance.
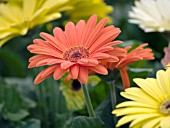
(88, 101)
(113, 94)
(113, 97)
(43, 102)
(52, 100)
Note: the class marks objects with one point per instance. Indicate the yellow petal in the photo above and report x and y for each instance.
(4, 9)
(163, 81)
(126, 119)
(135, 104)
(148, 117)
(165, 122)
(152, 123)
(138, 95)
(151, 87)
(133, 110)
(29, 8)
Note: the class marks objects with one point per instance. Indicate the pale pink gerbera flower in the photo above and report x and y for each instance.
(77, 50)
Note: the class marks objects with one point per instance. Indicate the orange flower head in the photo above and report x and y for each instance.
(77, 50)
(135, 55)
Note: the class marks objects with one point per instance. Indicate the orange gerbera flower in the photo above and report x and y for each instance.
(77, 50)
(137, 54)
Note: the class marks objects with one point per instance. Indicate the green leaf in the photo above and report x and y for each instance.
(32, 123)
(63, 119)
(1, 106)
(98, 93)
(15, 106)
(104, 111)
(11, 64)
(16, 116)
(87, 122)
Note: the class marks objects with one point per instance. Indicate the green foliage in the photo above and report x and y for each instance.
(104, 112)
(87, 122)
(11, 64)
(100, 91)
(14, 106)
(31, 123)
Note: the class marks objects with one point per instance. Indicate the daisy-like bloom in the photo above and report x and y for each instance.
(151, 15)
(77, 50)
(137, 54)
(149, 105)
(25, 15)
(73, 92)
(73, 95)
(83, 9)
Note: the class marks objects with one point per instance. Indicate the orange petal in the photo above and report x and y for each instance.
(80, 28)
(68, 78)
(119, 52)
(52, 41)
(103, 49)
(99, 69)
(55, 61)
(44, 74)
(88, 62)
(89, 27)
(60, 36)
(83, 75)
(66, 64)
(104, 38)
(48, 71)
(71, 34)
(125, 77)
(128, 60)
(99, 55)
(46, 51)
(38, 57)
(82, 61)
(58, 73)
(95, 33)
(93, 62)
(74, 71)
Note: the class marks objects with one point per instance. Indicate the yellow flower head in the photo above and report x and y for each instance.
(149, 105)
(83, 9)
(19, 16)
(73, 92)
(73, 95)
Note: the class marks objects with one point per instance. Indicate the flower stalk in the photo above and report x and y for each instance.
(113, 97)
(88, 101)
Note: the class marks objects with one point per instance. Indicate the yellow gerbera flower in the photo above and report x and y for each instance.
(83, 9)
(73, 92)
(150, 104)
(19, 16)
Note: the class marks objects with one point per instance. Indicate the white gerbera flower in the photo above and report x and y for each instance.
(151, 15)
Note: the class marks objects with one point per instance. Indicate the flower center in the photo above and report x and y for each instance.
(75, 53)
(76, 85)
(165, 107)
